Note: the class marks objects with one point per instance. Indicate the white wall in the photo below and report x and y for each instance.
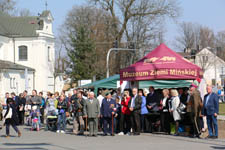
(213, 69)
(37, 55)
(37, 58)
(14, 81)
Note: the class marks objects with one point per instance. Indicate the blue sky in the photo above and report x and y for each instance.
(209, 13)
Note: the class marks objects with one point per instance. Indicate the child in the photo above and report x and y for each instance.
(35, 121)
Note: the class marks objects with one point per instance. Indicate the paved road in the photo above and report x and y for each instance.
(43, 140)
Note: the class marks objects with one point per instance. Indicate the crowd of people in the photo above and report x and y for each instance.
(132, 112)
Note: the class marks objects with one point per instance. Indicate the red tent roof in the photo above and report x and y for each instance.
(161, 63)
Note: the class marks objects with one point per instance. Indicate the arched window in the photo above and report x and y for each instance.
(23, 53)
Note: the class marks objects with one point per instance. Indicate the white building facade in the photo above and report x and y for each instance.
(28, 42)
(14, 78)
(211, 65)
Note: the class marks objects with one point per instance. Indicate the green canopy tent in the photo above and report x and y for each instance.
(161, 84)
(108, 83)
(111, 83)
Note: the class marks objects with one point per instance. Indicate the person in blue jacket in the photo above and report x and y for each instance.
(211, 110)
(144, 110)
(108, 110)
(117, 116)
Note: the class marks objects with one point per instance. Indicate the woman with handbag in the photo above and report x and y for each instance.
(175, 102)
(11, 117)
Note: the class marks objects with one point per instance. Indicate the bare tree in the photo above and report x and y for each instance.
(143, 35)
(137, 21)
(61, 60)
(220, 44)
(220, 39)
(7, 6)
(136, 8)
(194, 36)
(207, 38)
(186, 39)
(99, 24)
(25, 12)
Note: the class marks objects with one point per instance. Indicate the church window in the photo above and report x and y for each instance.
(23, 53)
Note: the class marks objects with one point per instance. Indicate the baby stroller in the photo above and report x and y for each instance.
(51, 121)
(51, 113)
(35, 119)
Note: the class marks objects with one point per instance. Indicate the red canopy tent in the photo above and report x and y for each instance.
(161, 64)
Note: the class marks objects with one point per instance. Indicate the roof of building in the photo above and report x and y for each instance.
(10, 65)
(45, 13)
(219, 53)
(184, 54)
(25, 26)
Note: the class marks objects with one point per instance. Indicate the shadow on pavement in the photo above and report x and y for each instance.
(21, 146)
(26, 144)
(10, 136)
(27, 148)
(218, 147)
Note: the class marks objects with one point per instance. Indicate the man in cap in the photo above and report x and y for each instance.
(194, 106)
(108, 110)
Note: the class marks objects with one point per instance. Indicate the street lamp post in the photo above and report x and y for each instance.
(114, 49)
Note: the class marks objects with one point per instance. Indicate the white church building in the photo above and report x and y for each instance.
(211, 64)
(27, 53)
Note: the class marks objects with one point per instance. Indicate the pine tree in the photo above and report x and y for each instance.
(82, 55)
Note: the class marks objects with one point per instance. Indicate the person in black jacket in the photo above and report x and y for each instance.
(135, 108)
(62, 107)
(21, 110)
(74, 96)
(11, 119)
(152, 100)
(152, 104)
(78, 110)
(182, 96)
(15, 99)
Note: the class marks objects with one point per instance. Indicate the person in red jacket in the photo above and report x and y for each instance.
(125, 122)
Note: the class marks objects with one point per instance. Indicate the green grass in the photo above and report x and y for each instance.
(222, 109)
